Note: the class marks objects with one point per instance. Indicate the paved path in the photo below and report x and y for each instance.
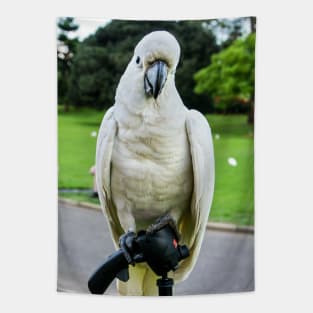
(225, 264)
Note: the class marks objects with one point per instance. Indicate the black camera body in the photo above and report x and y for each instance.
(161, 250)
(158, 246)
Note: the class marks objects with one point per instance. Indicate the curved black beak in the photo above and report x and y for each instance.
(155, 78)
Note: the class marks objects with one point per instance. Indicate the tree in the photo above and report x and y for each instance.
(230, 76)
(227, 30)
(65, 51)
(102, 58)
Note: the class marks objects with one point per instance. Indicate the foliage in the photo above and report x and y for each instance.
(234, 192)
(65, 52)
(102, 58)
(230, 76)
(228, 30)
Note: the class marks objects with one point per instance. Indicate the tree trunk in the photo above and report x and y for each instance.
(66, 106)
(251, 113)
(252, 24)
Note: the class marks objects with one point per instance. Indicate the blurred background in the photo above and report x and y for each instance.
(215, 75)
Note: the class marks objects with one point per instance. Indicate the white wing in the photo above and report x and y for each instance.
(104, 150)
(193, 224)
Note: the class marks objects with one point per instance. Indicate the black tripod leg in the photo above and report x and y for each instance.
(165, 285)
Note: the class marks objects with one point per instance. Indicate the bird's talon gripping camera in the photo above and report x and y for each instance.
(158, 246)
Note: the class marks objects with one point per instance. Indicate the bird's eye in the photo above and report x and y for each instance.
(138, 60)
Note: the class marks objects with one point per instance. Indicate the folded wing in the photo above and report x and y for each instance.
(194, 221)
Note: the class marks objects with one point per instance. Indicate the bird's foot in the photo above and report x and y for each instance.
(126, 244)
(162, 221)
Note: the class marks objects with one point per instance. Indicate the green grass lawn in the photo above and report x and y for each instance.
(234, 186)
(233, 137)
(76, 147)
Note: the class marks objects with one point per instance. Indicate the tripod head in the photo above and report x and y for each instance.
(158, 246)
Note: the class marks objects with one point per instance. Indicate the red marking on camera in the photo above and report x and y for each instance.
(175, 243)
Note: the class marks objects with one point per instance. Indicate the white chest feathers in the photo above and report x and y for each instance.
(151, 172)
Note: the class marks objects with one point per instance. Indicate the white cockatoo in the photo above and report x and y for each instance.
(154, 157)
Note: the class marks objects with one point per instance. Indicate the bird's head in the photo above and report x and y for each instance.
(155, 59)
(150, 75)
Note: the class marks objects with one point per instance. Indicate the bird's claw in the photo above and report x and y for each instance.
(125, 243)
(162, 221)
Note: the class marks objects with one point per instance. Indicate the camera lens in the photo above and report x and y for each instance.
(183, 251)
